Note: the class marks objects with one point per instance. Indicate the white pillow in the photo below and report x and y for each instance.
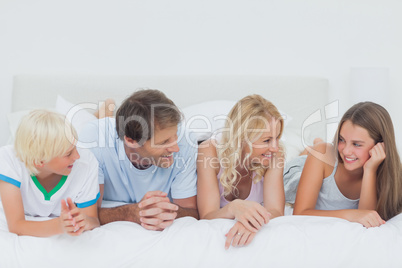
(14, 120)
(207, 118)
(75, 113)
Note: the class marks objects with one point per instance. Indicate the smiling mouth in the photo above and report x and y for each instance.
(267, 155)
(348, 159)
(167, 156)
(70, 166)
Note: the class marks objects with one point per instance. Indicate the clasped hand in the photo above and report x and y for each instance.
(72, 220)
(156, 211)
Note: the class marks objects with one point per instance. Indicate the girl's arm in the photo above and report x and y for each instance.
(14, 211)
(368, 193)
(310, 185)
(251, 214)
(274, 193)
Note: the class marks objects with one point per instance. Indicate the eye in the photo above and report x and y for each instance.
(357, 145)
(267, 141)
(341, 139)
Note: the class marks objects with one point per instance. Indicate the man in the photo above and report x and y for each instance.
(142, 162)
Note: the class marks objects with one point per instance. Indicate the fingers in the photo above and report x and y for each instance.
(154, 193)
(238, 236)
(158, 227)
(371, 219)
(162, 202)
(64, 207)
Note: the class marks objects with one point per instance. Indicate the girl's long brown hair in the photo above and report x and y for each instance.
(377, 121)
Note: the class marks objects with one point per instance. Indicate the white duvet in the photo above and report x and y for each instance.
(289, 241)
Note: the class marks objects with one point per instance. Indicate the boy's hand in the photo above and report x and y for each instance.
(73, 222)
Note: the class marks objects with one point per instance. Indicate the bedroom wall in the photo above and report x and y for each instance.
(287, 37)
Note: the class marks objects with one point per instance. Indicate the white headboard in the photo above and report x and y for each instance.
(299, 97)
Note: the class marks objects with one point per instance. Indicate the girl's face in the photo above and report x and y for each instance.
(62, 165)
(266, 146)
(354, 145)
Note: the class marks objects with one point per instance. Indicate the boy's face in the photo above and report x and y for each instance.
(63, 165)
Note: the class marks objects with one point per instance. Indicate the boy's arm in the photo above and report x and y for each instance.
(14, 211)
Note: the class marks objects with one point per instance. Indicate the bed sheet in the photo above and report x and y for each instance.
(289, 241)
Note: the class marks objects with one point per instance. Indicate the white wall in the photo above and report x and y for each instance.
(289, 37)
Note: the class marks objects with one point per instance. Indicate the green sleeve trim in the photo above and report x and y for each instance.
(46, 194)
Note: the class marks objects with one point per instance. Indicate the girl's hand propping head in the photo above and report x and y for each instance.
(377, 156)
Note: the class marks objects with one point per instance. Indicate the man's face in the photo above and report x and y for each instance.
(158, 150)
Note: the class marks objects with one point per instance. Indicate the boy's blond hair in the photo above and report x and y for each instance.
(41, 136)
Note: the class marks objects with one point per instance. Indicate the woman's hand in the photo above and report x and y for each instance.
(251, 214)
(238, 236)
(377, 156)
(369, 218)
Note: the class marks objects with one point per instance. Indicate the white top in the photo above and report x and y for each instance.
(81, 185)
(331, 198)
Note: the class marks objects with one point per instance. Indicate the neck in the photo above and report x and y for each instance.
(351, 175)
(136, 160)
(45, 175)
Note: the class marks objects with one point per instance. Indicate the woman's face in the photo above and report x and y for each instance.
(266, 145)
(354, 145)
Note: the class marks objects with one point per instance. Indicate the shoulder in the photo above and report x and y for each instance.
(208, 147)
(8, 155)
(321, 155)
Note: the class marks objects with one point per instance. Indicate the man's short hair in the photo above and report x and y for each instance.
(143, 112)
(41, 136)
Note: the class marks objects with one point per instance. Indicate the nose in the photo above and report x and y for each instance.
(347, 150)
(174, 148)
(76, 154)
(274, 146)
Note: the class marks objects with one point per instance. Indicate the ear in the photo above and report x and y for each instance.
(131, 143)
(40, 165)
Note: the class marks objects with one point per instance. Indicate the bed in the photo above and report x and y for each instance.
(289, 241)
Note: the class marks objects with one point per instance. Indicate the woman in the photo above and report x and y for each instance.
(240, 173)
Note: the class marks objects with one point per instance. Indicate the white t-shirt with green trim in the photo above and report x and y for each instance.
(81, 185)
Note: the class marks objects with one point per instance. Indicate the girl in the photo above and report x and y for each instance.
(358, 178)
(40, 171)
(240, 174)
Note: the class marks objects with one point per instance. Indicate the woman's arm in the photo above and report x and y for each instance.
(208, 197)
(14, 211)
(251, 214)
(274, 193)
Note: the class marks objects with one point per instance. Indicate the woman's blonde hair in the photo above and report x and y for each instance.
(41, 136)
(377, 121)
(244, 124)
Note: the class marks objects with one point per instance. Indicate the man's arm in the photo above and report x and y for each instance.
(129, 212)
(187, 207)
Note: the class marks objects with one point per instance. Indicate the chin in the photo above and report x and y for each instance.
(165, 163)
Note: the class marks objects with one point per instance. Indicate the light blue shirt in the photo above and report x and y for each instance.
(125, 183)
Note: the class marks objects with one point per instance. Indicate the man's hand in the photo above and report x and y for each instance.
(156, 211)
